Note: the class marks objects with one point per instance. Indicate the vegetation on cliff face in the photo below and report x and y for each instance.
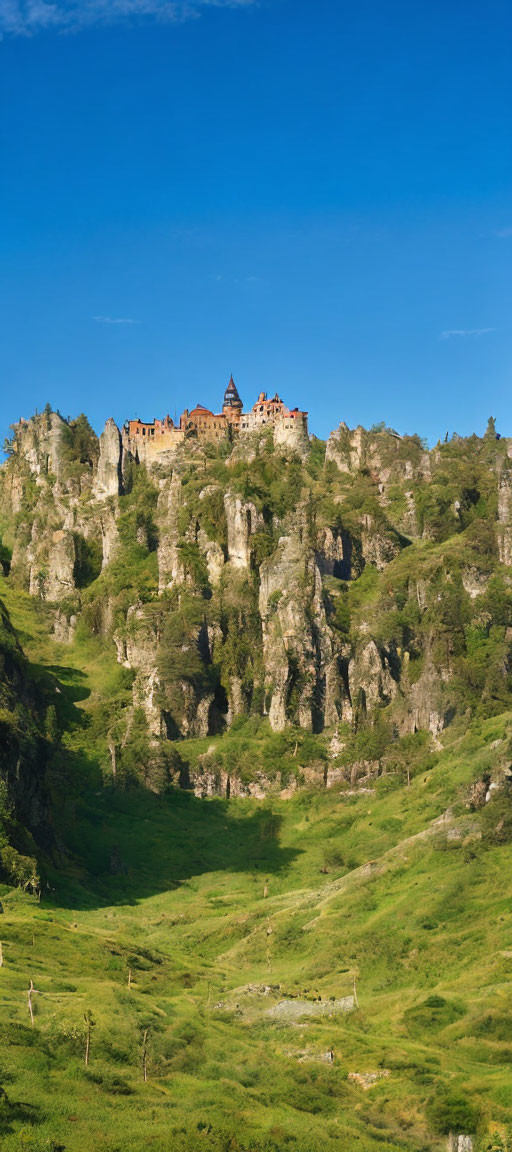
(22, 763)
(255, 750)
(369, 577)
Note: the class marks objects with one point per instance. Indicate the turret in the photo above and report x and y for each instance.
(232, 406)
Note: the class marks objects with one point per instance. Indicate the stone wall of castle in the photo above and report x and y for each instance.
(292, 432)
(205, 425)
(149, 442)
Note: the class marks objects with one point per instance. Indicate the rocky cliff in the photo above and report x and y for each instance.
(327, 587)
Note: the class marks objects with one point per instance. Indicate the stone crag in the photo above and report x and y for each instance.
(267, 575)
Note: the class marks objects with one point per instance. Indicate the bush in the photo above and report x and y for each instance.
(432, 1015)
(19, 870)
(451, 1111)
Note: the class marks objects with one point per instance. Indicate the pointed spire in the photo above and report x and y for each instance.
(231, 397)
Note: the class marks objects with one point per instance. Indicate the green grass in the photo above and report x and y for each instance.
(171, 889)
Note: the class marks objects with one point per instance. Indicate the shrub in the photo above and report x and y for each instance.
(451, 1111)
(19, 870)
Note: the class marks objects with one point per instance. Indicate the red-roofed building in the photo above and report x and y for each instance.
(204, 424)
(273, 412)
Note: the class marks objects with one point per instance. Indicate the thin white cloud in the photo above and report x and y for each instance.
(27, 17)
(220, 279)
(114, 320)
(504, 233)
(447, 335)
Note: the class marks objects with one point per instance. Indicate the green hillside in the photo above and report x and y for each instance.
(170, 928)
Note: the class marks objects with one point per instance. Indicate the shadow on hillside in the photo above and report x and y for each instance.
(63, 687)
(122, 846)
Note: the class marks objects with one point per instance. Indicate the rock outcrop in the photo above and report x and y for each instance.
(249, 579)
(300, 658)
(110, 541)
(60, 581)
(39, 444)
(288, 1011)
(371, 682)
(243, 520)
(334, 553)
(505, 517)
(462, 1143)
(170, 566)
(110, 464)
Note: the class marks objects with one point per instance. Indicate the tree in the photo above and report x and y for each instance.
(31, 992)
(89, 1025)
(80, 442)
(490, 432)
(452, 1111)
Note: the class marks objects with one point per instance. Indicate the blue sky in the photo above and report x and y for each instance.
(315, 195)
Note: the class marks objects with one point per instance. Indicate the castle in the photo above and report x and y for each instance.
(148, 441)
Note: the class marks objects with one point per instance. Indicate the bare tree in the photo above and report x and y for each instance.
(31, 992)
(89, 1025)
(145, 1054)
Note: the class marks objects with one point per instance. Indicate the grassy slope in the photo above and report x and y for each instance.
(172, 888)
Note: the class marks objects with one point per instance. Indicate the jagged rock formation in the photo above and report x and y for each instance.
(334, 554)
(170, 568)
(370, 678)
(47, 486)
(505, 516)
(110, 463)
(391, 457)
(110, 541)
(39, 444)
(60, 581)
(301, 673)
(255, 578)
(243, 520)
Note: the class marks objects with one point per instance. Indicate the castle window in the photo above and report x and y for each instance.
(143, 431)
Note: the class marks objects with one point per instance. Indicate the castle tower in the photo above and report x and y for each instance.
(232, 406)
